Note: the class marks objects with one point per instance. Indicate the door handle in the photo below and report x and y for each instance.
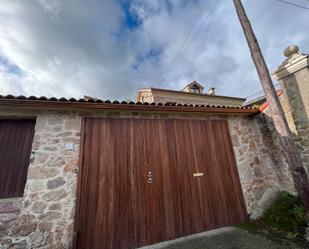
(198, 174)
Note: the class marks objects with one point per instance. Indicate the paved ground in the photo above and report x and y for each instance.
(226, 238)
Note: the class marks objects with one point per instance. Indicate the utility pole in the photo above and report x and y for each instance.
(290, 150)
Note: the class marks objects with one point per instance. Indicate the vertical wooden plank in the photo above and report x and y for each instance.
(204, 187)
(225, 195)
(82, 155)
(172, 183)
(185, 166)
(149, 182)
(170, 199)
(106, 206)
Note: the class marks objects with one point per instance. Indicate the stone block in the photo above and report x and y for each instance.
(55, 183)
(49, 216)
(50, 148)
(72, 124)
(45, 226)
(270, 195)
(55, 161)
(38, 207)
(41, 123)
(65, 134)
(8, 217)
(55, 207)
(56, 129)
(39, 239)
(35, 185)
(18, 245)
(11, 205)
(72, 164)
(41, 173)
(4, 241)
(38, 158)
(58, 245)
(24, 229)
(235, 140)
(55, 120)
(55, 195)
(258, 172)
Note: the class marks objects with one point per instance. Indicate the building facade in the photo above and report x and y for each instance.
(192, 94)
(92, 163)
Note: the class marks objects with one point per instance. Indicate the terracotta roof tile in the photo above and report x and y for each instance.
(23, 100)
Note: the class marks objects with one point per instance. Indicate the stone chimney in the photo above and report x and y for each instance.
(212, 91)
(293, 75)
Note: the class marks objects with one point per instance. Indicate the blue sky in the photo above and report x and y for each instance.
(8, 67)
(130, 19)
(111, 48)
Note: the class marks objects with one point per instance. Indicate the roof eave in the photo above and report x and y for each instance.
(37, 104)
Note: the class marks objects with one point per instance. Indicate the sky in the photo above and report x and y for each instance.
(111, 48)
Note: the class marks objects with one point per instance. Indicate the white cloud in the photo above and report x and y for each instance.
(71, 48)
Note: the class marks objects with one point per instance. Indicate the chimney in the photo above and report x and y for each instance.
(87, 98)
(212, 91)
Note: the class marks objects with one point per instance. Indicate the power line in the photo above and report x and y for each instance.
(188, 35)
(196, 32)
(293, 4)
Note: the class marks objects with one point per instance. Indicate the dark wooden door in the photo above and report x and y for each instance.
(144, 181)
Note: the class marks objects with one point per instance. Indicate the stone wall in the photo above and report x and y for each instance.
(44, 217)
(260, 160)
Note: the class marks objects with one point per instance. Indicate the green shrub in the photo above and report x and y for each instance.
(287, 215)
(286, 218)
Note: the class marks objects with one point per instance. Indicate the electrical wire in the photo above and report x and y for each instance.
(188, 35)
(293, 4)
(196, 32)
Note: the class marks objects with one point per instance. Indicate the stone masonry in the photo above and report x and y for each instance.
(261, 164)
(44, 217)
(293, 75)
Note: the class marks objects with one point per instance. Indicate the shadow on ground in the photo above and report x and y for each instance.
(226, 238)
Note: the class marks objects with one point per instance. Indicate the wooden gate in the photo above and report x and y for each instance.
(143, 181)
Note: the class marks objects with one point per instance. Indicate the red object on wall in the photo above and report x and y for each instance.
(266, 104)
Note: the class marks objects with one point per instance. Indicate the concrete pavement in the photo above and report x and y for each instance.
(226, 238)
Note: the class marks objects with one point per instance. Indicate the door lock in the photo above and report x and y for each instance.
(149, 177)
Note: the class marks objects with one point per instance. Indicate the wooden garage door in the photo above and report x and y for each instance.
(146, 181)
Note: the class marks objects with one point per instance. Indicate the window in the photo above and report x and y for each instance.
(16, 138)
(195, 89)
